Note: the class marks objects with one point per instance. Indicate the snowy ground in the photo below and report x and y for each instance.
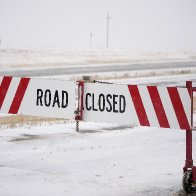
(102, 159)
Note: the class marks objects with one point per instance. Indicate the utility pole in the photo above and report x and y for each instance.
(107, 34)
(91, 39)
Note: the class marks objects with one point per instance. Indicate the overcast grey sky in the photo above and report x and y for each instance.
(135, 24)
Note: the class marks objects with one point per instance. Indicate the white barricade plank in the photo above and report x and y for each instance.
(167, 107)
(108, 103)
(37, 97)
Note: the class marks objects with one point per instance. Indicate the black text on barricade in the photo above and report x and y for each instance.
(50, 98)
(109, 103)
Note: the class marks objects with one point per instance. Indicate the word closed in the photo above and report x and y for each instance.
(109, 103)
(106, 103)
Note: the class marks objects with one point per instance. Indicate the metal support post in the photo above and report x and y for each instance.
(189, 160)
(189, 177)
(194, 173)
(79, 111)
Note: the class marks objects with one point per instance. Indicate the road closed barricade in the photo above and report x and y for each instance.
(140, 105)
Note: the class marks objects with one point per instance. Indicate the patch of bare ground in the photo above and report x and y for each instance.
(21, 120)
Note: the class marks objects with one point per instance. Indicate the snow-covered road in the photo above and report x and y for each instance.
(87, 69)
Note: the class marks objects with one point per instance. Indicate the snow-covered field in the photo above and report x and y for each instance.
(102, 159)
(17, 58)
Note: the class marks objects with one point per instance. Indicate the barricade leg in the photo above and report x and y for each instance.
(194, 173)
(189, 178)
(189, 160)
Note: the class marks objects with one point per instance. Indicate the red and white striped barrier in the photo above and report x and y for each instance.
(167, 107)
(37, 97)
